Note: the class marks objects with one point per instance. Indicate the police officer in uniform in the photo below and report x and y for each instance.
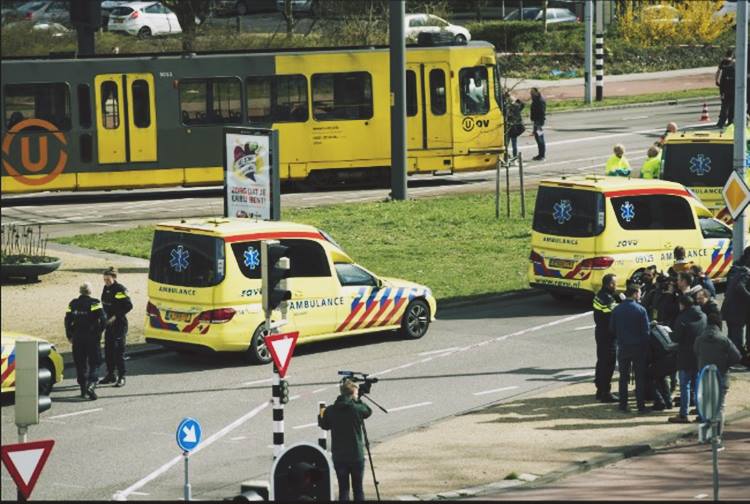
(84, 322)
(604, 303)
(116, 305)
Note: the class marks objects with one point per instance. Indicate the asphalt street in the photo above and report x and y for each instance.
(577, 143)
(122, 446)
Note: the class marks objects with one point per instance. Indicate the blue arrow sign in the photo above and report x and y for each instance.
(188, 434)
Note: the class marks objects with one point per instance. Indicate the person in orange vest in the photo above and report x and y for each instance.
(618, 164)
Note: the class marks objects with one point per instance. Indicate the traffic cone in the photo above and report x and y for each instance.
(704, 113)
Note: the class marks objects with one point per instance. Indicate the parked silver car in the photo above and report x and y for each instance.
(554, 15)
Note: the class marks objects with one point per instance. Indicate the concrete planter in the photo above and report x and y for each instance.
(29, 271)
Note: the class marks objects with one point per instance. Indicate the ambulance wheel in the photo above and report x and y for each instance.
(258, 353)
(416, 319)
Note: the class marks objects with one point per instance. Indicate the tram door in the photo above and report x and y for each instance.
(125, 118)
(414, 111)
(428, 114)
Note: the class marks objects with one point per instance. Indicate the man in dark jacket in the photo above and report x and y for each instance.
(690, 323)
(538, 116)
(700, 279)
(604, 303)
(725, 82)
(84, 322)
(712, 347)
(629, 323)
(736, 306)
(116, 305)
(707, 304)
(344, 419)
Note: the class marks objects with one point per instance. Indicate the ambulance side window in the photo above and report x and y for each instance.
(654, 212)
(247, 255)
(351, 274)
(307, 258)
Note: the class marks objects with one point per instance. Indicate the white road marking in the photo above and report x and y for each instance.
(292, 398)
(701, 496)
(495, 390)
(409, 406)
(580, 375)
(256, 382)
(109, 427)
(76, 413)
(633, 118)
(583, 328)
(238, 438)
(438, 351)
(544, 326)
(318, 391)
(305, 426)
(139, 493)
(123, 495)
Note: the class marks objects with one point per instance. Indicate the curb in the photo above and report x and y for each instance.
(74, 249)
(676, 101)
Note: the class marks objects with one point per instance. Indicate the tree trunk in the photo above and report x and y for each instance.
(544, 15)
(289, 18)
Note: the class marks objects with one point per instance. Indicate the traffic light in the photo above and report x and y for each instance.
(33, 382)
(274, 270)
(284, 391)
(303, 472)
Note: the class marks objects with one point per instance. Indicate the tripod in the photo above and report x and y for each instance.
(367, 444)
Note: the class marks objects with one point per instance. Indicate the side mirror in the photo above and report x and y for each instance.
(378, 283)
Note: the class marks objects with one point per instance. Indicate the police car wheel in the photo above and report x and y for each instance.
(416, 319)
(258, 352)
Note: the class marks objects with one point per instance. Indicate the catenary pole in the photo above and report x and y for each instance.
(740, 118)
(587, 67)
(398, 99)
(599, 50)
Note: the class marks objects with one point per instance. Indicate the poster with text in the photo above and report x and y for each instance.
(248, 175)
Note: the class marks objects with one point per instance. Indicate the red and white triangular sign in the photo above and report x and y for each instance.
(281, 347)
(25, 462)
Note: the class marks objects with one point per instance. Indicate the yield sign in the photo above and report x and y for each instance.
(25, 461)
(281, 347)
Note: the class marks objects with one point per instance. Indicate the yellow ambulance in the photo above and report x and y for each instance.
(204, 289)
(586, 227)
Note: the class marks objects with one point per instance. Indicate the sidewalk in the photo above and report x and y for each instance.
(543, 437)
(620, 85)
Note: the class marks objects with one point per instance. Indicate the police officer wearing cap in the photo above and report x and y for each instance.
(84, 322)
(116, 305)
(604, 303)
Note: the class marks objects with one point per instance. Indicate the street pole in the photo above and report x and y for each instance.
(22, 433)
(599, 50)
(187, 489)
(740, 118)
(589, 28)
(398, 99)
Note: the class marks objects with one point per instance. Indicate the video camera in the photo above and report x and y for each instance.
(362, 378)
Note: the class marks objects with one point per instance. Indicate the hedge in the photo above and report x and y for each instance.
(524, 36)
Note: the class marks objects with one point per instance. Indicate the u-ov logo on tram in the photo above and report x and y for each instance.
(34, 167)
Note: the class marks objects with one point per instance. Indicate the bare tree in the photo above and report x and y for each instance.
(187, 11)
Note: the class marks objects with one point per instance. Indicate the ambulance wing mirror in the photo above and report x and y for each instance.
(378, 282)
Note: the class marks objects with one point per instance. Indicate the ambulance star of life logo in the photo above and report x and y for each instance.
(627, 211)
(562, 211)
(700, 164)
(178, 258)
(252, 258)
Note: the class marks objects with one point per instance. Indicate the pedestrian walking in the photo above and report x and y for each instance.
(630, 325)
(606, 353)
(515, 120)
(736, 307)
(690, 323)
(84, 322)
(725, 83)
(538, 117)
(344, 419)
(652, 166)
(116, 305)
(618, 164)
(712, 347)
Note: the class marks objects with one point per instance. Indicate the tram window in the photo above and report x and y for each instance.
(474, 90)
(110, 105)
(49, 102)
(411, 93)
(217, 103)
(437, 92)
(84, 105)
(141, 104)
(281, 98)
(342, 96)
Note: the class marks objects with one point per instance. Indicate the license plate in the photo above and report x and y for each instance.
(117, 21)
(562, 263)
(178, 316)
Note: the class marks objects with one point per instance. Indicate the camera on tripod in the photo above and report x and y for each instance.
(362, 378)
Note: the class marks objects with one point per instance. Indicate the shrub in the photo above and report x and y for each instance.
(523, 36)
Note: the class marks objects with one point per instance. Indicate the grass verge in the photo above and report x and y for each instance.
(577, 103)
(452, 244)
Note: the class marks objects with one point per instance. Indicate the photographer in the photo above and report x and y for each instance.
(344, 419)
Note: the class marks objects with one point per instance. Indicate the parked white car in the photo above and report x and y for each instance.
(143, 19)
(428, 23)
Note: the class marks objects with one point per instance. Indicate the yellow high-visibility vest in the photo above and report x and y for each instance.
(618, 166)
(651, 167)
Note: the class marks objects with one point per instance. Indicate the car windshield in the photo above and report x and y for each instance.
(712, 228)
(697, 164)
(350, 274)
(436, 21)
(562, 211)
(187, 260)
(528, 13)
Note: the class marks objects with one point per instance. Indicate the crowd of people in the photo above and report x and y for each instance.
(665, 328)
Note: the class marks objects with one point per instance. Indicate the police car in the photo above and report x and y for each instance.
(54, 362)
(586, 227)
(204, 289)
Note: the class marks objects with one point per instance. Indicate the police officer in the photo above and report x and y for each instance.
(344, 419)
(84, 322)
(116, 305)
(604, 303)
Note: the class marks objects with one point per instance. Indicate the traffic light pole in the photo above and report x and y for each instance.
(278, 415)
(22, 438)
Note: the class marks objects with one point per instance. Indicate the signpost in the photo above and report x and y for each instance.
(281, 348)
(188, 437)
(708, 399)
(252, 186)
(25, 462)
(736, 194)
